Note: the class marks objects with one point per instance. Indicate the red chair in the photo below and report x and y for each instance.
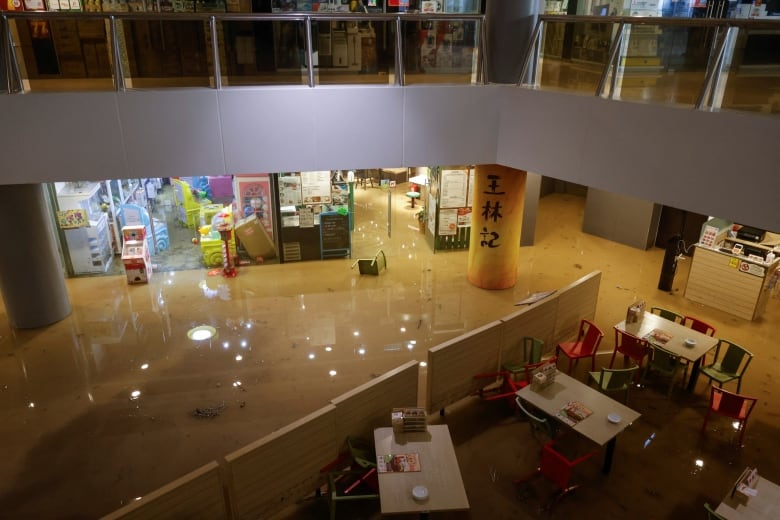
(555, 467)
(698, 325)
(729, 404)
(735, 406)
(631, 347)
(501, 386)
(588, 340)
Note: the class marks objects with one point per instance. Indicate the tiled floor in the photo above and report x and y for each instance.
(78, 443)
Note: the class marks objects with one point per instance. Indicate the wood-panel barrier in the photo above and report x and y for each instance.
(283, 467)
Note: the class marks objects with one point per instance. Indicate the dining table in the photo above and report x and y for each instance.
(762, 504)
(607, 417)
(672, 337)
(435, 471)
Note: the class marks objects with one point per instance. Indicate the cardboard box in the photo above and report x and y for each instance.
(254, 238)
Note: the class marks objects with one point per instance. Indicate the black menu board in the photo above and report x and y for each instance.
(334, 234)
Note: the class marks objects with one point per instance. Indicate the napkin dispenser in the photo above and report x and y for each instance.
(635, 312)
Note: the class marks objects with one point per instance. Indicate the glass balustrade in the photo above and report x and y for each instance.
(711, 64)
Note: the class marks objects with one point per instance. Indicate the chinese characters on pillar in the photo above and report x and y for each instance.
(491, 212)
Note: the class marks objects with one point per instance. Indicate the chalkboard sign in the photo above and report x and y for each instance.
(334, 235)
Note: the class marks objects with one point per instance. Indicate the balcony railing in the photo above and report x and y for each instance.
(707, 64)
(105, 51)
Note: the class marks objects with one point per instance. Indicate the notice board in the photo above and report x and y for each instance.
(334, 235)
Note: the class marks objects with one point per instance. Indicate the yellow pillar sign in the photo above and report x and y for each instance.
(496, 222)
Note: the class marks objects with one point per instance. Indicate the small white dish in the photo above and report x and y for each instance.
(420, 493)
(613, 418)
(690, 342)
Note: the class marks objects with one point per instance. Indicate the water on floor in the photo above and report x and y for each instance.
(117, 400)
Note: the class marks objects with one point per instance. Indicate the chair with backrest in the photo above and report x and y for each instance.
(731, 366)
(538, 420)
(611, 380)
(356, 479)
(530, 351)
(630, 346)
(729, 404)
(711, 514)
(667, 314)
(666, 364)
(558, 469)
(588, 339)
(500, 385)
(698, 325)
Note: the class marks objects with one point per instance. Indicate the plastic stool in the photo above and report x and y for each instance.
(413, 195)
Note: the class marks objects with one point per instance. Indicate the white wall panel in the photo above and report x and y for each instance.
(450, 125)
(171, 133)
(60, 137)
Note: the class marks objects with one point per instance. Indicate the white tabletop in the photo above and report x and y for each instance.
(763, 506)
(565, 389)
(439, 472)
(678, 333)
(419, 179)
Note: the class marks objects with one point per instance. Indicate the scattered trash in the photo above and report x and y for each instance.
(492, 473)
(209, 412)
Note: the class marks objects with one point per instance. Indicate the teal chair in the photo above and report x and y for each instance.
(667, 314)
(731, 366)
(612, 380)
(539, 422)
(530, 352)
(666, 364)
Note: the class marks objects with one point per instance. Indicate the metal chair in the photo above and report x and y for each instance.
(729, 404)
(558, 469)
(609, 380)
(667, 314)
(588, 339)
(358, 480)
(698, 325)
(665, 363)
(531, 350)
(732, 366)
(629, 346)
(538, 421)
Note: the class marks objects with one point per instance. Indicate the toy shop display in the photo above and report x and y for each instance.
(135, 255)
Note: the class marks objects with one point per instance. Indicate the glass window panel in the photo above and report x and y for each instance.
(574, 55)
(264, 53)
(441, 51)
(355, 52)
(752, 81)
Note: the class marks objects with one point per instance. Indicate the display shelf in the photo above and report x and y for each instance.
(89, 247)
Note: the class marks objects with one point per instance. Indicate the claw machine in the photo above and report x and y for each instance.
(85, 226)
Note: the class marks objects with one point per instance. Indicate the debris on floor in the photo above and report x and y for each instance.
(209, 412)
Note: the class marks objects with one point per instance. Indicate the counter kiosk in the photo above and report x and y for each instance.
(733, 274)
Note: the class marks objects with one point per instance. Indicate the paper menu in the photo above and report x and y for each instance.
(399, 462)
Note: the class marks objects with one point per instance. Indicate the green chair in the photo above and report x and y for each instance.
(732, 366)
(665, 363)
(539, 423)
(531, 353)
(611, 380)
(711, 514)
(667, 314)
(359, 481)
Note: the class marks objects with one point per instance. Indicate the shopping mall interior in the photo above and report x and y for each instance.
(111, 403)
(112, 394)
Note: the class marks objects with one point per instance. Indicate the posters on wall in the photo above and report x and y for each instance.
(448, 221)
(454, 185)
(316, 187)
(290, 193)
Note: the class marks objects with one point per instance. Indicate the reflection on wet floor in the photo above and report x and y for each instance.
(118, 399)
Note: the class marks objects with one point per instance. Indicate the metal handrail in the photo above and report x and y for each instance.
(213, 18)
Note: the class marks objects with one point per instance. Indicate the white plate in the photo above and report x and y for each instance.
(613, 418)
(420, 493)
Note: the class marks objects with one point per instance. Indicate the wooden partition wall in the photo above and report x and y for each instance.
(453, 364)
(368, 406)
(198, 494)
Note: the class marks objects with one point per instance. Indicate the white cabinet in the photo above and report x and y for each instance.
(89, 246)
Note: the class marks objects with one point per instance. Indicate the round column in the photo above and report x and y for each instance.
(32, 282)
(496, 222)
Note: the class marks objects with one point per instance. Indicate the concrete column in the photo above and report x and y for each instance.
(31, 279)
(496, 224)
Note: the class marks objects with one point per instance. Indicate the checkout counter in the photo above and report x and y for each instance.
(734, 268)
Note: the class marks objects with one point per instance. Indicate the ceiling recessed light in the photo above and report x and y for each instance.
(201, 332)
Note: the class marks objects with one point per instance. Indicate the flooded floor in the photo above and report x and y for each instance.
(117, 400)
